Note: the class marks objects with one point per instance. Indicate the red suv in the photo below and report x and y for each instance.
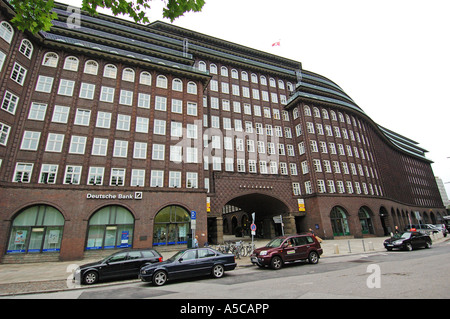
(287, 249)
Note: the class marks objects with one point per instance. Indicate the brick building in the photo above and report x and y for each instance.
(111, 133)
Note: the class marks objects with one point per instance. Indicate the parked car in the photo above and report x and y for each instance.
(288, 249)
(122, 264)
(188, 263)
(422, 227)
(408, 240)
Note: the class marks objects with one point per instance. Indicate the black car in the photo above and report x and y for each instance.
(122, 264)
(188, 263)
(408, 240)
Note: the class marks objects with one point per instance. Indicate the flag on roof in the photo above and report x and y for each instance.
(276, 44)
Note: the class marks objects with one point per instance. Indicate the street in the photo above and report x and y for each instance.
(422, 273)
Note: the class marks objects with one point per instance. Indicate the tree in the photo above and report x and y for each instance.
(37, 15)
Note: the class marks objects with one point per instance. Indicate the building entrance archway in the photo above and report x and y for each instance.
(265, 207)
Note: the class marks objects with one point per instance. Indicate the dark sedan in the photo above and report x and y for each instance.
(189, 263)
(408, 240)
(123, 264)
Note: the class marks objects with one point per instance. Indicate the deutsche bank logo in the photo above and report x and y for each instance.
(137, 195)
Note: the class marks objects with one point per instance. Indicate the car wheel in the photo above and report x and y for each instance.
(90, 278)
(276, 263)
(160, 278)
(428, 244)
(313, 257)
(218, 271)
(408, 247)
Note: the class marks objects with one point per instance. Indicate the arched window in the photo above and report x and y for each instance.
(161, 81)
(192, 88)
(224, 71)
(171, 226)
(71, 63)
(36, 229)
(213, 68)
(307, 110)
(110, 71)
(339, 222)
(202, 66)
(177, 85)
(6, 31)
(364, 214)
(109, 228)
(26, 48)
(91, 67)
(145, 78)
(50, 59)
(316, 112)
(128, 75)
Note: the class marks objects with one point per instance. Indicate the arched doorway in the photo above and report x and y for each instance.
(339, 222)
(36, 229)
(110, 227)
(171, 226)
(265, 208)
(365, 220)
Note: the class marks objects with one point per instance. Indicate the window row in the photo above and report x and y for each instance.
(244, 76)
(330, 147)
(324, 113)
(339, 187)
(247, 108)
(72, 175)
(241, 165)
(244, 91)
(338, 167)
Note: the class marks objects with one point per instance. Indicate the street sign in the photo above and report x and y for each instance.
(193, 214)
(253, 227)
(277, 219)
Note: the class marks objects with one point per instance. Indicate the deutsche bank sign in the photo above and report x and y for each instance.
(135, 196)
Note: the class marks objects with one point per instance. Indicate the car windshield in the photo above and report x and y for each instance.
(176, 256)
(402, 235)
(275, 242)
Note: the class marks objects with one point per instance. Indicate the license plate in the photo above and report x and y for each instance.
(253, 259)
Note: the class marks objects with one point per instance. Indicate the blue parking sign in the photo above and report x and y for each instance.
(193, 214)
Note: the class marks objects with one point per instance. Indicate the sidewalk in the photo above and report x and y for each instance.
(53, 276)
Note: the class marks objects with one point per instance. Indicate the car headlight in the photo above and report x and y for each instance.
(398, 242)
(263, 253)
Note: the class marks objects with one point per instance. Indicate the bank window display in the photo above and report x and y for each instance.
(172, 226)
(36, 229)
(110, 227)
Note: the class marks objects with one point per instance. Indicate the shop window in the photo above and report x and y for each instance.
(110, 227)
(339, 222)
(171, 226)
(36, 229)
(364, 214)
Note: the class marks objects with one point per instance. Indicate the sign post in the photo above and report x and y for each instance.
(279, 220)
(193, 226)
(253, 227)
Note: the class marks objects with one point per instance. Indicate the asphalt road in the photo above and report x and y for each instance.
(422, 273)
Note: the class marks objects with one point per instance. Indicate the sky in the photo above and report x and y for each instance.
(391, 57)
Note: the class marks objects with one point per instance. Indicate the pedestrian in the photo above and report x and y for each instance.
(397, 230)
(314, 235)
(196, 241)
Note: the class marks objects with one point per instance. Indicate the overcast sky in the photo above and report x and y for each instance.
(391, 57)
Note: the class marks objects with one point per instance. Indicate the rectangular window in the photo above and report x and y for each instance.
(138, 177)
(100, 146)
(87, 91)
(144, 100)
(157, 178)
(48, 174)
(54, 142)
(4, 133)
(159, 127)
(72, 175)
(66, 87)
(158, 152)
(18, 73)
(175, 179)
(126, 97)
(22, 174)
(37, 111)
(96, 175)
(103, 120)
(123, 122)
(10, 102)
(82, 117)
(117, 177)
(60, 114)
(120, 148)
(107, 94)
(140, 150)
(161, 103)
(191, 180)
(30, 141)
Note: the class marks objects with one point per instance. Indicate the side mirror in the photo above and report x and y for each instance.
(180, 260)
